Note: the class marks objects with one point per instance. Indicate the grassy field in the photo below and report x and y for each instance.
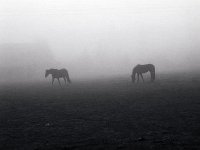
(102, 114)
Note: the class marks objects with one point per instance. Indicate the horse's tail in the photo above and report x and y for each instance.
(67, 76)
(152, 71)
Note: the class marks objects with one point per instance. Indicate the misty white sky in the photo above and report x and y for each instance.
(113, 35)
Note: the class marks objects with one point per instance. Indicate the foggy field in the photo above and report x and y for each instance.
(102, 114)
(97, 44)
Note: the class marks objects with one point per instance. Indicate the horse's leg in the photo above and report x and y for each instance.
(59, 81)
(64, 80)
(142, 77)
(52, 80)
(138, 77)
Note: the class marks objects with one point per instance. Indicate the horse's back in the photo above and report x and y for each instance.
(63, 70)
(141, 68)
(53, 70)
(58, 73)
(148, 66)
(144, 68)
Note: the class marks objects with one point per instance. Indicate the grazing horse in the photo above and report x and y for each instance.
(62, 73)
(140, 69)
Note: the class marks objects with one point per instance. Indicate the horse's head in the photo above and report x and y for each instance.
(133, 78)
(133, 75)
(46, 73)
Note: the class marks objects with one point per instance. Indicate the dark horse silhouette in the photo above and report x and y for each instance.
(62, 73)
(140, 69)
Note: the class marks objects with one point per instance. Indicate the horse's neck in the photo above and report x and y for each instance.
(134, 72)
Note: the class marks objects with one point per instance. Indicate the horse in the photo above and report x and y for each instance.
(62, 73)
(140, 69)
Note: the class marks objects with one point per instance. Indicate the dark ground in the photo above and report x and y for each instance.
(107, 114)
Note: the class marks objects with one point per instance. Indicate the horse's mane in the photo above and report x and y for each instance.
(51, 69)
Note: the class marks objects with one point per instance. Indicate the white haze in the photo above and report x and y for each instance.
(93, 38)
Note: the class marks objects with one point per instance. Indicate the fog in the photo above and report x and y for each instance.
(97, 38)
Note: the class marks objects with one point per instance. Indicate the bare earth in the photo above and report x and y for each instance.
(102, 114)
